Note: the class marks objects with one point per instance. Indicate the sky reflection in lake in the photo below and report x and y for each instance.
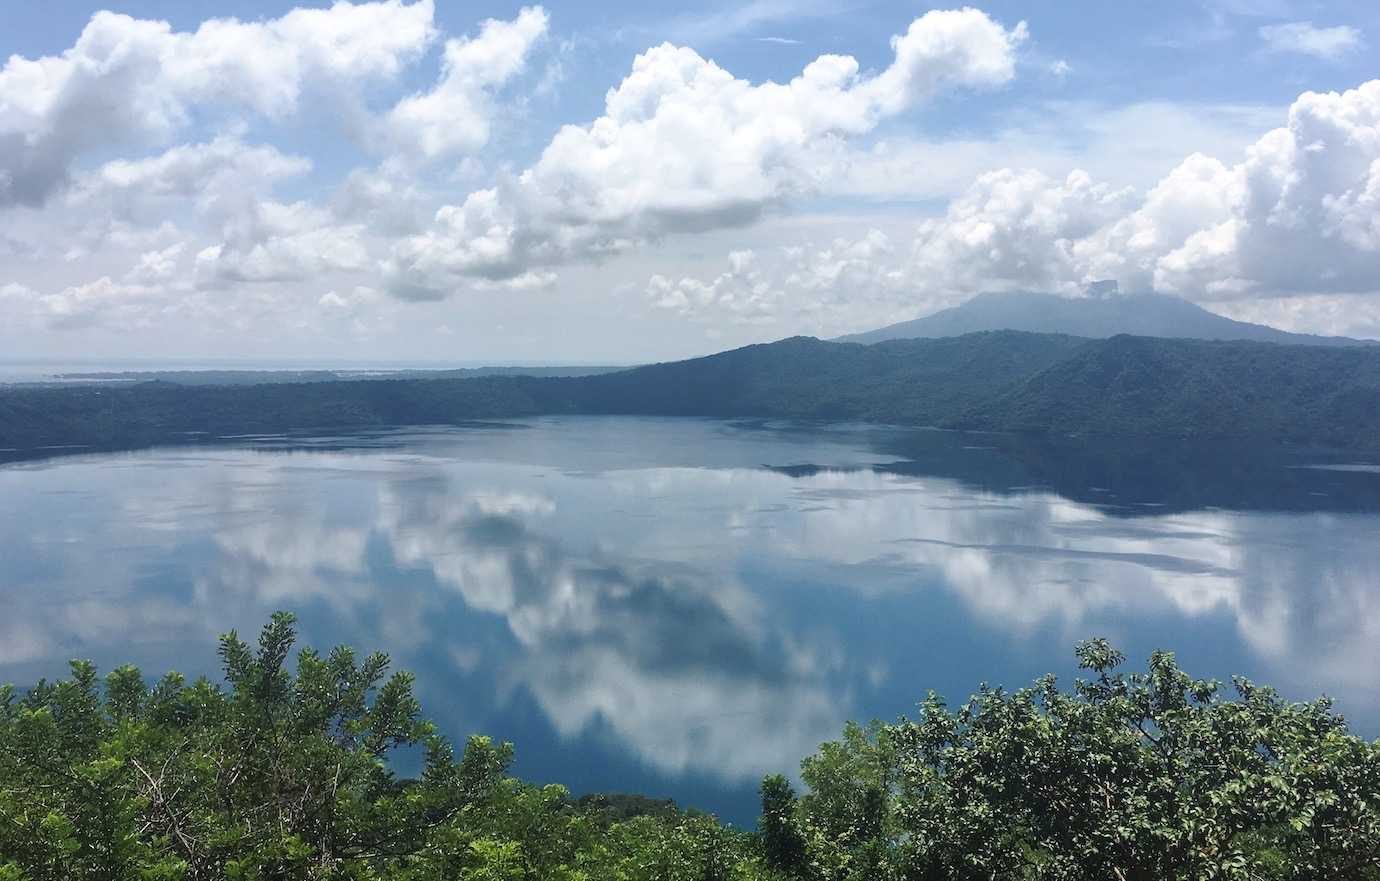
(677, 606)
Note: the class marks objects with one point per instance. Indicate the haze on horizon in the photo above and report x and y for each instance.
(615, 183)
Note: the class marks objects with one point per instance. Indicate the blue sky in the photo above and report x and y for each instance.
(625, 181)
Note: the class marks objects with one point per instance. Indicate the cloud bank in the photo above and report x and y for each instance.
(262, 173)
(685, 146)
(1299, 215)
(133, 81)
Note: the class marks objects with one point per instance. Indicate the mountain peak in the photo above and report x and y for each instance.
(1103, 313)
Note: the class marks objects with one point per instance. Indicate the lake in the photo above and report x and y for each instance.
(676, 607)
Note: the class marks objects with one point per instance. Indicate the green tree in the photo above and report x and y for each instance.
(1143, 776)
(284, 772)
(274, 776)
(783, 847)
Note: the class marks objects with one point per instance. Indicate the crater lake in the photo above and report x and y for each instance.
(676, 607)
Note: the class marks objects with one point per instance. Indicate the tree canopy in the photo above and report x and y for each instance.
(288, 771)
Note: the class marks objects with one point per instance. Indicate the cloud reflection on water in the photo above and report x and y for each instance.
(678, 662)
(675, 609)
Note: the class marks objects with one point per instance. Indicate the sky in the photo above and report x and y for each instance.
(619, 182)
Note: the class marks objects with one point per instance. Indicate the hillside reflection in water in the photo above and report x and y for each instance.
(677, 606)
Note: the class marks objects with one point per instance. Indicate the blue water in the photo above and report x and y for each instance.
(677, 607)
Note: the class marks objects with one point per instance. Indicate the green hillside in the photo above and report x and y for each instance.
(1001, 380)
(1146, 386)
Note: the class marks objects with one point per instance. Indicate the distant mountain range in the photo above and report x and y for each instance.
(234, 376)
(1099, 317)
(1000, 380)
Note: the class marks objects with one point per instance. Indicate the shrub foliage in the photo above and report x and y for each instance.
(283, 771)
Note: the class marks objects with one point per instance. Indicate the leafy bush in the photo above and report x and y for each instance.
(286, 774)
(277, 775)
(1150, 775)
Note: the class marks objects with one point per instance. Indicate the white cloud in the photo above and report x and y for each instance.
(362, 310)
(256, 238)
(1303, 38)
(235, 229)
(822, 287)
(200, 220)
(349, 301)
(128, 80)
(1014, 229)
(1011, 229)
(156, 266)
(387, 200)
(1355, 315)
(218, 175)
(1298, 216)
(277, 241)
(100, 301)
(742, 294)
(454, 116)
(684, 145)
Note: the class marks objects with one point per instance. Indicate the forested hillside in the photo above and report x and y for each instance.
(1006, 380)
(1141, 385)
(913, 382)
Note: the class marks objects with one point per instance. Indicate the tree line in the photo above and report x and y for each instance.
(283, 770)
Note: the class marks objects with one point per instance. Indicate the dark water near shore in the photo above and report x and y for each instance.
(677, 606)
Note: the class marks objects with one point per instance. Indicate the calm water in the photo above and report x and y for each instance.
(678, 606)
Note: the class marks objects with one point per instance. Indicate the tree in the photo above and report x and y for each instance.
(276, 776)
(286, 774)
(1144, 776)
(783, 848)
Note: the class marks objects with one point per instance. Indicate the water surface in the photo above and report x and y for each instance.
(678, 606)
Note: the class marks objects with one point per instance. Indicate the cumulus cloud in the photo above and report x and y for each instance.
(194, 209)
(683, 145)
(192, 169)
(217, 176)
(277, 241)
(157, 266)
(817, 287)
(124, 304)
(128, 80)
(234, 232)
(742, 293)
(454, 116)
(1014, 228)
(387, 200)
(124, 208)
(1010, 229)
(1298, 216)
(229, 183)
(1304, 38)
(103, 300)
